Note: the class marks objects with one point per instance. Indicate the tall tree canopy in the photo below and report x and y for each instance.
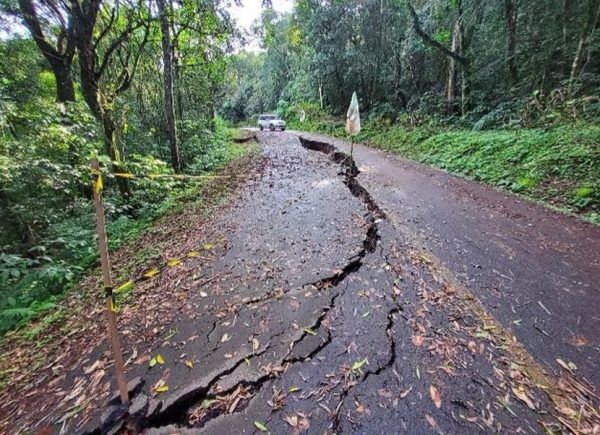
(434, 57)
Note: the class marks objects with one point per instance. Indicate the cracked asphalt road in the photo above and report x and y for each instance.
(395, 300)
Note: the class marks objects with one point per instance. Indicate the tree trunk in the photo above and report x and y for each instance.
(168, 85)
(451, 90)
(59, 58)
(591, 23)
(110, 146)
(510, 14)
(65, 89)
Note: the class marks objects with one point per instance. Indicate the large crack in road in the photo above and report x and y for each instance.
(360, 347)
(175, 412)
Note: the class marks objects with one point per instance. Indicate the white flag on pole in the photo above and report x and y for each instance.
(353, 117)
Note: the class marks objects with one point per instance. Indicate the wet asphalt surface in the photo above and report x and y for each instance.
(536, 270)
(379, 302)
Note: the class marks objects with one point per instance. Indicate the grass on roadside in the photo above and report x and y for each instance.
(558, 166)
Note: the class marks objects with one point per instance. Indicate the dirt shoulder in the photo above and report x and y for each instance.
(58, 369)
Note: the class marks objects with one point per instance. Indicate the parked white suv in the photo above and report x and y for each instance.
(272, 122)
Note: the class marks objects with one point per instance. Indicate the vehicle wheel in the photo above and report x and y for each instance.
(260, 127)
(272, 127)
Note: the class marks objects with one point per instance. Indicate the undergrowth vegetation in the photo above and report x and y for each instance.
(48, 236)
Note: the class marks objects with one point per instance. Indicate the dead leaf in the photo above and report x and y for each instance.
(431, 421)
(405, 393)
(436, 396)
(292, 420)
(91, 368)
(417, 340)
(570, 367)
(358, 364)
(522, 395)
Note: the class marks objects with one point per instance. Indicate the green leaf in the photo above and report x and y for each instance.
(260, 426)
(359, 364)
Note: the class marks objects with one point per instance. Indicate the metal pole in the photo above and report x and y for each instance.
(106, 279)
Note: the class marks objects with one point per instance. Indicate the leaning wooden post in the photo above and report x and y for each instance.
(108, 288)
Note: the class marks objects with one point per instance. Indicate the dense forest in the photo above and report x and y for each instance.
(134, 83)
(504, 92)
(149, 87)
(489, 64)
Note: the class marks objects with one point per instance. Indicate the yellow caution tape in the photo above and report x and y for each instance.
(113, 306)
(130, 175)
(123, 175)
(98, 185)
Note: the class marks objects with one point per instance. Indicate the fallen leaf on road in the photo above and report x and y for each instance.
(226, 337)
(310, 331)
(436, 396)
(260, 426)
(579, 340)
(404, 393)
(431, 420)
(160, 359)
(91, 368)
(417, 340)
(189, 363)
(522, 395)
(292, 420)
(359, 407)
(172, 262)
(303, 424)
(382, 392)
(358, 364)
(570, 367)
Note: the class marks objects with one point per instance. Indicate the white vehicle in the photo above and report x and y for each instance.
(272, 122)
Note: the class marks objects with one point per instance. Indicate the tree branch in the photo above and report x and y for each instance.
(429, 40)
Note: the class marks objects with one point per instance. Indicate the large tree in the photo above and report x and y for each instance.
(110, 39)
(165, 11)
(51, 27)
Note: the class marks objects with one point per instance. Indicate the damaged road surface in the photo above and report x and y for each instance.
(323, 312)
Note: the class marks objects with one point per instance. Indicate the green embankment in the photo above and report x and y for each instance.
(558, 166)
(27, 290)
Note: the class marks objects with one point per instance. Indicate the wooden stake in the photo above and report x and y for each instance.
(106, 279)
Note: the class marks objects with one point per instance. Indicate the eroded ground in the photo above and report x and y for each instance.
(314, 308)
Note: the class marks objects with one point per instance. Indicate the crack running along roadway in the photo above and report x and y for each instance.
(333, 309)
